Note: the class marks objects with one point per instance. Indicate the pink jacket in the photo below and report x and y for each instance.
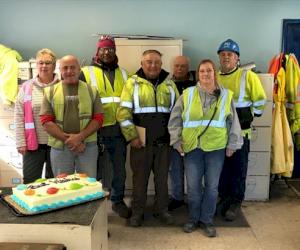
(30, 133)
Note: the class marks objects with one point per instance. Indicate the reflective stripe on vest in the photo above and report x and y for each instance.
(126, 123)
(161, 109)
(110, 99)
(126, 104)
(30, 133)
(105, 100)
(243, 104)
(29, 125)
(220, 123)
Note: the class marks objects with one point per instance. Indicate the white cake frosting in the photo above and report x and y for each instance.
(64, 190)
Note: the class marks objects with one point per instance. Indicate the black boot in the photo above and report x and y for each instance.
(222, 207)
(231, 213)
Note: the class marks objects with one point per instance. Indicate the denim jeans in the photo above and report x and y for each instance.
(116, 148)
(203, 170)
(66, 161)
(177, 175)
(233, 177)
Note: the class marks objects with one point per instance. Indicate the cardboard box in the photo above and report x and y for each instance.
(24, 72)
(92, 236)
(10, 178)
(257, 188)
(267, 81)
(266, 118)
(259, 163)
(7, 127)
(5, 110)
(30, 246)
(260, 139)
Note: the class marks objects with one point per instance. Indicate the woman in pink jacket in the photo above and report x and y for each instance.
(31, 138)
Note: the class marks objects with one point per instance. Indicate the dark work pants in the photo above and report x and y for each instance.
(232, 182)
(33, 162)
(142, 161)
(115, 147)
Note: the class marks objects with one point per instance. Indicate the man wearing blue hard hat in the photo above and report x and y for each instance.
(250, 99)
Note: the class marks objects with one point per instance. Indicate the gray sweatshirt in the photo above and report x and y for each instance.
(235, 138)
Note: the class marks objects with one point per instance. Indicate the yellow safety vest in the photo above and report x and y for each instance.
(195, 121)
(109, 96)
(86, 96)
(247, 91)
(292, 90)
(140, 96)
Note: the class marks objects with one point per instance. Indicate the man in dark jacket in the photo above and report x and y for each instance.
(183, 79)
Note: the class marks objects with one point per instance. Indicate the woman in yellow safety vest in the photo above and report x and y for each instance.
(204, 127)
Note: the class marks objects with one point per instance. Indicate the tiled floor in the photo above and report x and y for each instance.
(274, 225)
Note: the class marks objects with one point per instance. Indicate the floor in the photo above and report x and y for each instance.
(274, 225)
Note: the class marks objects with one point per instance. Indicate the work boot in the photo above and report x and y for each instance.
(208, 229)
(231, 213)
(190, 227)
(222, 207)
(136, 220)
(164, 218)
(121, 209)
(173, 204)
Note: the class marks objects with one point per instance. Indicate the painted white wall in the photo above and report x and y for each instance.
(66, 26)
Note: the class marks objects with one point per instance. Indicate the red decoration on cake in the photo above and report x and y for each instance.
(52, 190)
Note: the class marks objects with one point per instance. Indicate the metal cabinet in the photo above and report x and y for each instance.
(130, 51)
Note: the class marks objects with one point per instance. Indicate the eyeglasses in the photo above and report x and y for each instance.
(109, 50)
(47, 63)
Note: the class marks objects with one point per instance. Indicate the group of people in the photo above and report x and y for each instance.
(194, 123)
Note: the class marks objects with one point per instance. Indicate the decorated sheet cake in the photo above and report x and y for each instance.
(64, 190)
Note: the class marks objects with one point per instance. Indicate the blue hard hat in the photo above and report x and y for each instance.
(229, 45)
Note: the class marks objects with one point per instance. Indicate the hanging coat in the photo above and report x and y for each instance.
(292, 91)
(8, 74)
(282, 155)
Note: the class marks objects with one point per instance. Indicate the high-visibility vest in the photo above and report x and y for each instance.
(292, 91)
(30, 132)
(247, 89)
(86, 95)
(195, 121)
(109, 96)
(140, 96)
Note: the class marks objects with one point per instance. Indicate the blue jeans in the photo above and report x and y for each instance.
(177, 175)
(233, 178)
(66, 161)
(116, 148)
(202, 194)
